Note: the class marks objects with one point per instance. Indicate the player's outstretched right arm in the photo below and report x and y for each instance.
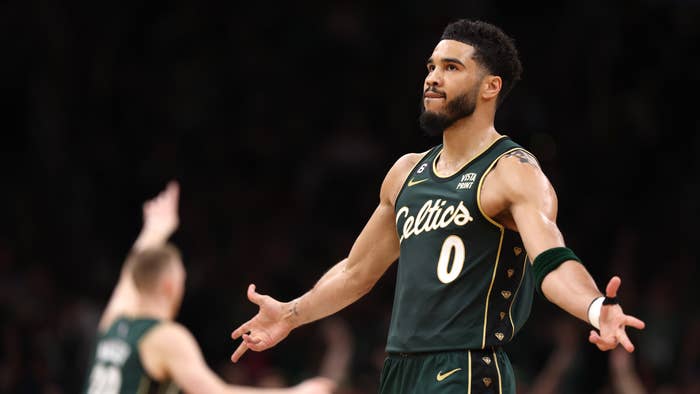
(170, 351)
(374, 250)
(160, 220)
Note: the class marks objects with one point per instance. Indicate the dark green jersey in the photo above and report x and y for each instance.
(116, 367)
(463, 280)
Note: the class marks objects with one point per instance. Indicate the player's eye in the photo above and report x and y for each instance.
(431, 67)
(451, 67)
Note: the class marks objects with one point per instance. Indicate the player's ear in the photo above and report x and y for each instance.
(167, 285)
(491, 86)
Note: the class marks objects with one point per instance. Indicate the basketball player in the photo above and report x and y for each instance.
(473, 223)
(140, 349)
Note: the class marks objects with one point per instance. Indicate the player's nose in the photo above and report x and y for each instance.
(433, 79)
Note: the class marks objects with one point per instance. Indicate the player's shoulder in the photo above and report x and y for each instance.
(166, 334)
(519, 160)
(410, 159)
(519, 172)
(403, 166)
(163, 343)
(398, 173)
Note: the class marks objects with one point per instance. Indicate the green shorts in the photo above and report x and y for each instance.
(465, 371)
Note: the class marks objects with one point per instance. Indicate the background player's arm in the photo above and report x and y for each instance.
(532, 202)
(160, 220)
(375, 249)
(178, 357)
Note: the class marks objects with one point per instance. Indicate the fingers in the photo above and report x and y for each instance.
(253, 296)
(248, 342)
(613, 286)
(173, 191)
(634, 322)
(239, 352)
(253, 343)
(173, 188)
(611, 342)
(603, 344)
(625, 341)
(170, 196)
(239, 331)
(244, 328)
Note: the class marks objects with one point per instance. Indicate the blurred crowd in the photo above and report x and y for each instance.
(280, 122)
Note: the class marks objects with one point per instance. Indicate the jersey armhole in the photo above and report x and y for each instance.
(481, 184)
(408, 175)
(146, 373)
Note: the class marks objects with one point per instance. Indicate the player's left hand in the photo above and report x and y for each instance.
(613, 322)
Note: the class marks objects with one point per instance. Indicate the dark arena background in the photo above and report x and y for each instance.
(280, 122)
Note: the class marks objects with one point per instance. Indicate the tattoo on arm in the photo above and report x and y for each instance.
(294, 308)
(524, 157)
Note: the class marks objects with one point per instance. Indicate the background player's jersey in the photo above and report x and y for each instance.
(116, 367)
(463, 280)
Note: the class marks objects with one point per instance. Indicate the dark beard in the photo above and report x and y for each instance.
(434, 123)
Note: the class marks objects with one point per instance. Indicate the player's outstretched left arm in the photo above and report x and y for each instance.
(160, 220)
(374, 250)
(532, 204)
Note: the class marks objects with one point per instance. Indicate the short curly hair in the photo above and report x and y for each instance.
(493, 50)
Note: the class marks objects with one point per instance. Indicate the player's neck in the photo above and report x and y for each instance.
(465, 139)
(153, 307)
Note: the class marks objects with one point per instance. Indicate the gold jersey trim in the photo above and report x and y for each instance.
(501, 228)
(469, 379)
(408, 175)
(498, 371)
(435, 159)
(481, 183)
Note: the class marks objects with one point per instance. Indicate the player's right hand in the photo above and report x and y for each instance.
(160, 213)
(264, 330)
(160, 218)
(315, 386)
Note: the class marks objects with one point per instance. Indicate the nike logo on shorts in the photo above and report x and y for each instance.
(440, 376)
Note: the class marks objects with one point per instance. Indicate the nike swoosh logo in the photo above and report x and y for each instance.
(441, 376)
(413, 183)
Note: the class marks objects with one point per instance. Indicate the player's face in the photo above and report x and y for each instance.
(451, 87)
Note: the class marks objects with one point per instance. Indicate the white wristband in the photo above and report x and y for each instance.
(594, 312)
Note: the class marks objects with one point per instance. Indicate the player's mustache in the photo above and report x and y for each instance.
(434, 90)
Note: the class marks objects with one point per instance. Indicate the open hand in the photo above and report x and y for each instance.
(267, 328)
(160, 218)
(613, 322)
(160, 213)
